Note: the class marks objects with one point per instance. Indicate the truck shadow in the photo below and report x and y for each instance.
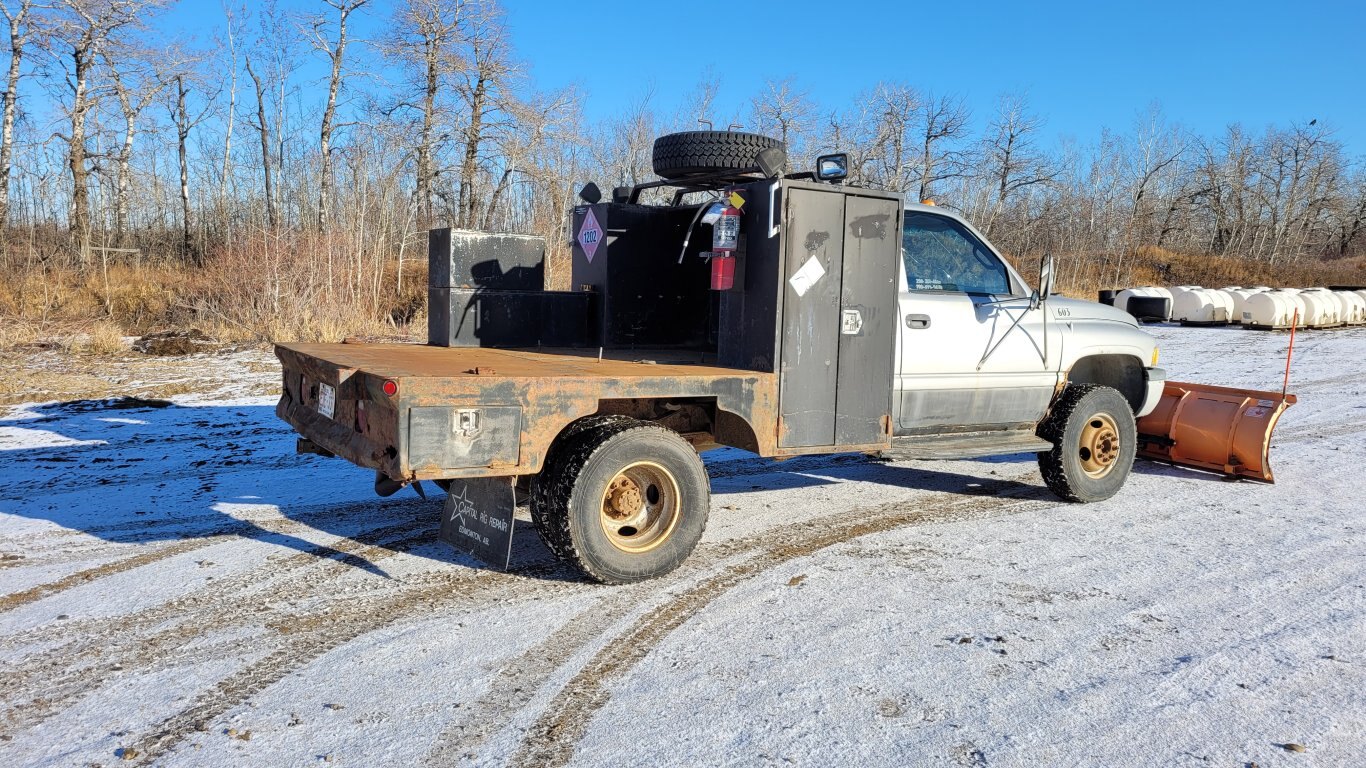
(133, 471)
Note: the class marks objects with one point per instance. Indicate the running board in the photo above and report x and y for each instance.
(965, 445)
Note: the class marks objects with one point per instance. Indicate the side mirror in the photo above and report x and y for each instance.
(590, 193)
(622, 194)
(832, 167)
(1045, 279)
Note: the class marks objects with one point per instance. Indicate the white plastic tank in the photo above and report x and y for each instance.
(1355, 313)
(1320, 311)
(1147, 291)
(1240, 296)
(1269, 309)
(1199, 306)
(1178, 290)
(1339, 302)
(1122, 298)
(1229, 303)
(1297, 303)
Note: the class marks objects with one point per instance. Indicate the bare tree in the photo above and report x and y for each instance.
(784, 110)
(942, 120)
(1150, 160)
(423, 41)
(1013, 163)
(185, 121)
(487, 72)
(262, 127)
(335, 52)
(19, 32)
(135, 89)
(698, 108)
(893, 154)
(537, 121)
(226, 178)
(84, 31)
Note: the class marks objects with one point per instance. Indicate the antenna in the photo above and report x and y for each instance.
(1294, 320)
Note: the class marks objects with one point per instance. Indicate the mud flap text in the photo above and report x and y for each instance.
(478, 519)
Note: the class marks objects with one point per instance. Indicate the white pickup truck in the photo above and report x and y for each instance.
(782, 313)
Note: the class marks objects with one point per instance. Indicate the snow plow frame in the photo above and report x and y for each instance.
(1221, 429)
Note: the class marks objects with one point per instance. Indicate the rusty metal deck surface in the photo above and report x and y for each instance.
(423, 361)
(549, 388)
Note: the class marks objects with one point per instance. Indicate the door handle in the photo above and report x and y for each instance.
(917, 322)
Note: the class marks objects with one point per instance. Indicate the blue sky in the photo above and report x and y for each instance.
(1083, 65)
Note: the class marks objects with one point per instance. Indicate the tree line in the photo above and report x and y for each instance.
(355, 125)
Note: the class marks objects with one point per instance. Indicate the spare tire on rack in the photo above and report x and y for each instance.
(696, 153)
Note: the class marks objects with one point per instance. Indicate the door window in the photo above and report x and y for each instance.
(941, 255)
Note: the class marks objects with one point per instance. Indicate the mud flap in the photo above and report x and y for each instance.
(478, 519)
(1220, 429)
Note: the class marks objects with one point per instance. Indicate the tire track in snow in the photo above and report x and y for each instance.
(552, 737)
(209, 536)
(59, 677)
(316, 634)
(319, 633)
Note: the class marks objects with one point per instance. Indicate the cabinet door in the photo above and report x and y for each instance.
(867, 328)
(811, 317)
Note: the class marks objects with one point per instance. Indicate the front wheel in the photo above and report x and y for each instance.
(623, 500)
(1094, 440)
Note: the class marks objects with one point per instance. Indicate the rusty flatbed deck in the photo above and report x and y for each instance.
(543, 390)
(422, 361)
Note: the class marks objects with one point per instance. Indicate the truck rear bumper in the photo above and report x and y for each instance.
(338, 439)
(1157, 380)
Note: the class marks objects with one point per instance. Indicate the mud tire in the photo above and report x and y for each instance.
(567, 497)
(1062, 468)
(695, 153)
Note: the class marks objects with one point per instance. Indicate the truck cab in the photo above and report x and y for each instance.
(978, 350)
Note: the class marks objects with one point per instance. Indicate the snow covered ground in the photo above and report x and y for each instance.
(180, 588)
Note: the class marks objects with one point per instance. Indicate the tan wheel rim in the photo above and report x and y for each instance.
(1099, 445)
(640, 507)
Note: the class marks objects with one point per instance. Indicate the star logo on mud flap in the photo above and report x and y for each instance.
(461, 506)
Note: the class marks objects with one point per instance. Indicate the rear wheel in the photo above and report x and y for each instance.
(1094, 441)
(623, 500)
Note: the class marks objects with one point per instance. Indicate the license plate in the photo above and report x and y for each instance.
(327, 400)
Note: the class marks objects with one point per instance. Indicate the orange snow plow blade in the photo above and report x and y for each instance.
(1216, 428)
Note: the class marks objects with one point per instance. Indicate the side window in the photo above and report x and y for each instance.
(943, 256)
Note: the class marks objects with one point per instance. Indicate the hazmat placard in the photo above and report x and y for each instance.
(590, 235)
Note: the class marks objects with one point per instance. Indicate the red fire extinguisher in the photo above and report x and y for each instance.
(725, 239)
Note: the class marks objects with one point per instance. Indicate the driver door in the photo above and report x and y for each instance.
(971, 352)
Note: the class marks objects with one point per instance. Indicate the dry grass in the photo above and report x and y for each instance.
(1083, 276)
(297, 287)
(288, 288)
